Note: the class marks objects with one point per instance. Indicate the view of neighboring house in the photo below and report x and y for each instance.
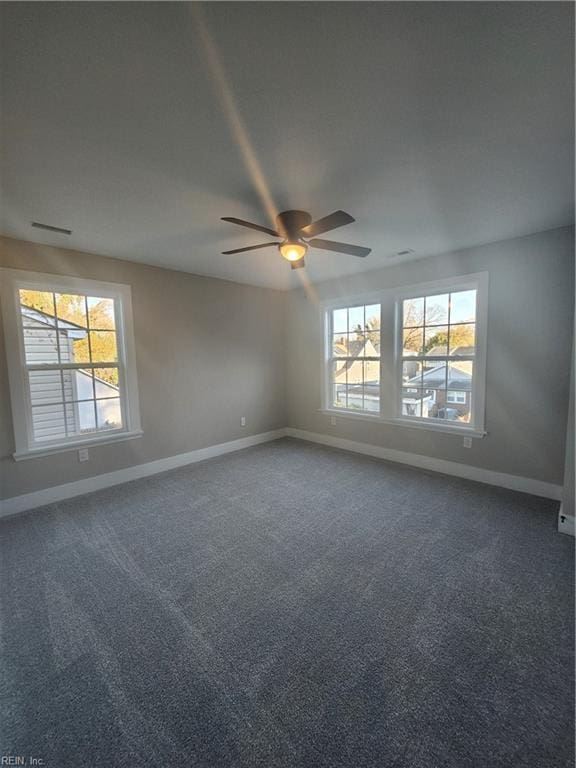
(69, 402)
(440, 393)
(357, 377)
(433, 393)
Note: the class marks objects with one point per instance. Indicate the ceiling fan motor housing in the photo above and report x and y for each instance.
(291, 222)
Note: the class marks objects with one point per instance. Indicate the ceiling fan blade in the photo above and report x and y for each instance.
(249, 248)
(334, 220)
(330, 245)
(298, 264)
(249, 224)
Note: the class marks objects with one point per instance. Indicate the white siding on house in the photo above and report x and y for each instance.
(50, 389)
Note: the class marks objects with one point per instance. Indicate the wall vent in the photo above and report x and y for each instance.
(50, 228)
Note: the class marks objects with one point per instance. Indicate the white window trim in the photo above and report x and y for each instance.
(390, 415)
(11, 280)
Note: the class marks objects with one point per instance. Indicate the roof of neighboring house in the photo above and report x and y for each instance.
(441, 349)
(44, 317)
(458, 377)
(355, 347)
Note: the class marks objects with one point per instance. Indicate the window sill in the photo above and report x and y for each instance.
(451, 429)
(48, 450)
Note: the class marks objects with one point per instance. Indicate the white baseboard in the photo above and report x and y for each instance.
(566, 523)
(87, 485)
(488, 476)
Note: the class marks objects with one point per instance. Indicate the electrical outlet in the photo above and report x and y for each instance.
(467, 442)
(333, 420)
(83, 454)
(243, 421)
(566, 523)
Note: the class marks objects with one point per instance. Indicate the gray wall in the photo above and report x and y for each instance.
(235, 350)
(208, 352)
(530, 311)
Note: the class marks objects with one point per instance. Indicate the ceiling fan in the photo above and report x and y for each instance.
(295, 228)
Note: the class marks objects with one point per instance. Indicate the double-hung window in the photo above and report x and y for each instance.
(412, 355)
(354, 360)
(71, 361)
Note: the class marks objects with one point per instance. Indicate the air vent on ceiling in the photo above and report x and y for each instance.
(406, 252)
(50, 228)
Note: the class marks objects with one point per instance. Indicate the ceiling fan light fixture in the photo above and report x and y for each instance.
(293, 251)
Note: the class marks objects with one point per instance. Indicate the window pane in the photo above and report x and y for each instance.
(106, 382)
(37, 308)
(40, 345)
(358, 345)
(340, 321)
(436, 340)
(339, 396)
(463, 339)
(372, 371)
(434, 374)
(74, 346)
(85, 383)
(355, 397)
(84, 418)
(45, 387)
(103, 346)
(69, 383)
(411, 401)
(372, 317)
(413, 341)
(371, 386)
(355, 319)
(413, 312)
(437, 309)
(48, 422)
(459, 395)
(372, 344)
(355, 372)
(101, 313)
(453, 412)
(373, 347)
(79, 385)
(71, 309)
(412, 372)
(431, 398)
(463, 307)
(460, 374)
(340, 345)
(109, 414)
(339, 369)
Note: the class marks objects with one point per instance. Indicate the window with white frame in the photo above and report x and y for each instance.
(71, 361)
(412, 355)
(456, 397)
(354, 360)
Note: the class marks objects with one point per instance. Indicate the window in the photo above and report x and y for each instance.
(412, 356)
(71, 361)
(438, 355)
(456, 397)
(354, 360)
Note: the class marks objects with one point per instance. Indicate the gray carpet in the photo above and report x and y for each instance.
(289, 605)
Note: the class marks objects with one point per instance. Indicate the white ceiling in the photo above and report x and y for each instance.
(436, 125)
